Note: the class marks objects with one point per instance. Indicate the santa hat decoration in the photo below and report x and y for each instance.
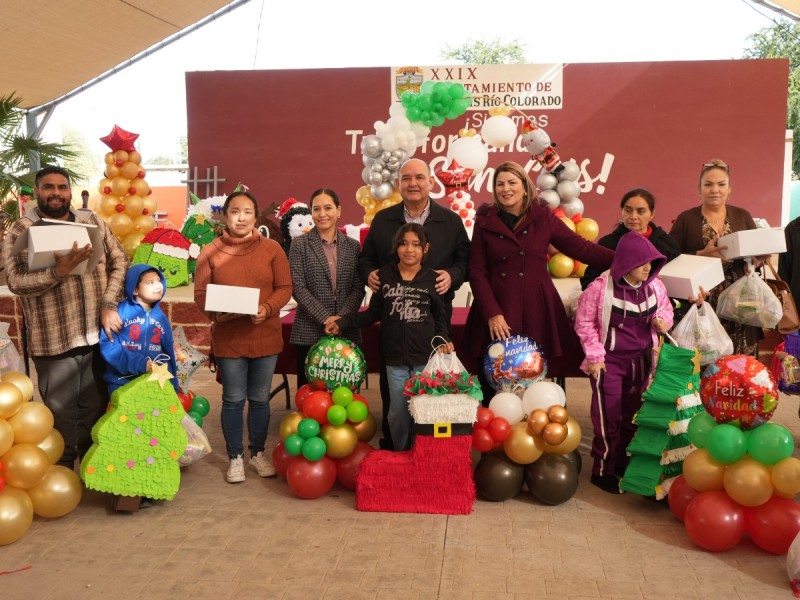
(169, 242)
(287, 204)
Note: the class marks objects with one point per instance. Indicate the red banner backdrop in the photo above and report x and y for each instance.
(652, 125)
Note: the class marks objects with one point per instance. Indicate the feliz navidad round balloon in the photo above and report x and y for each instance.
(333, 362)
(739, 389)
(515, 362)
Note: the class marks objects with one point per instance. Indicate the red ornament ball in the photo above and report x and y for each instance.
(120, 208)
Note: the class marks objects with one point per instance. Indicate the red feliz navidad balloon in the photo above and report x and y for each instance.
(739, 389)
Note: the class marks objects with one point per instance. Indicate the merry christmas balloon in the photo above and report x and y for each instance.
(334, 362)
(513, 363)
(739, 390)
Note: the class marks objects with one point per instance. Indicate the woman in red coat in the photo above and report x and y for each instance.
(512, 289)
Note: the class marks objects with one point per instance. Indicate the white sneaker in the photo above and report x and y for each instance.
(262, 466)
(236, 470)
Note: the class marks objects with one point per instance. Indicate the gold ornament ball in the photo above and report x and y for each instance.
(16, 514)
(554, 434)
(558, 414)
(561, 265)
(24, 466)
(537, 421)
(289, 424)
(22, 381)
(11, 399)
(32, 423)
(366, 429)
(520, 446)
(570, 443)
(53, 446)
(588, 229)
(568, 222)
(57, 494)
(340, 440)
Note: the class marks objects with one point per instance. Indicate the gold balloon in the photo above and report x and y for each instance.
(149, 205)
(109, 158)
(558, 414)
(131, 242)
(561, 266)
(57, 494)
(121, 224)
(129, 170)
(141, 187)
(144, 224)
(520, 446)
(289, 424)
(366, 429)
(121, 156)
(569, 223)
(24, 466)
(11, 399)
(134, 156)
(22, 381)
(119, 186)
(368, 219)
(588, 229)
(554, 434)
(133, 205)
(340, 440)
(53, 446)
(108, 205)
(6, 437)
(571, 442)
(537, 421)
(580, 269)
(16, 514)
(32, 423)
(105, 182)
(748, 482)
(785, 476)
(112, 171)
(702, 472)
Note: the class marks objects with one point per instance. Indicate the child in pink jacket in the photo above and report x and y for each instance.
(618, 321)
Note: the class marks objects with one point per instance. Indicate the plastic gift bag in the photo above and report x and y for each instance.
(9, 357)
(700, 328)
(750, 301)
(197, 446)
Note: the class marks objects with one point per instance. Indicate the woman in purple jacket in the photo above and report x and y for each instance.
(512, 289)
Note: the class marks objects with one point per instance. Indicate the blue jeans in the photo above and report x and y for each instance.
(246, 379)
(401, 424)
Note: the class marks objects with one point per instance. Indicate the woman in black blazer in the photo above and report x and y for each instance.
(324, 265)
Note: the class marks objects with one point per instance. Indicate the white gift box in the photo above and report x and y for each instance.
(753, 242)
(49, 237)
(232, 299)
(684, 275)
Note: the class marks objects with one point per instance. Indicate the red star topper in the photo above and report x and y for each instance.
(119, 139)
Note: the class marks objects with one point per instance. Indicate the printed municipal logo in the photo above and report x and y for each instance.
(408, 78)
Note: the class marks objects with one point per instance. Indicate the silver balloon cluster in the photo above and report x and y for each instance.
(380, 166)
(561, 189)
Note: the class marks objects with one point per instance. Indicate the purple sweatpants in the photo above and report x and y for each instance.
(616, 396)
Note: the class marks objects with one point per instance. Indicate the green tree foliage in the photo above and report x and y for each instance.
(782, 40)
(18, 153)
(481, 52)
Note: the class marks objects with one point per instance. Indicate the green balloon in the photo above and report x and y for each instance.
(308, 428)
(408, 99)
(427, 87)
(357, 411)
(337, 415)
(197, 418)
(342, 396)
(412, 112)
(314, 449)
(699, 428)
(335, 362)
(200, 406)
(437, 119)
(770, 443)
(294, 444)
(726, 443)
(457, 91)
(425, 102)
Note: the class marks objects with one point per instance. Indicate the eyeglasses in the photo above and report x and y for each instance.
(715, 164)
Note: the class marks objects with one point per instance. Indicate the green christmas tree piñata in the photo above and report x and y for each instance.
(661, 442)
(138, 442)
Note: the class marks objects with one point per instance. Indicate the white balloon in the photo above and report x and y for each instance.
(470, 152)
(508, 406)
(546, 181)
(550, 199)
(568, 190)
(420, 132)
(397, 110)
(543, 394)
(571, 171)
(499, 131)
(573, 207)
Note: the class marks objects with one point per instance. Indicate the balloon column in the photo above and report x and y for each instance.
(30, 481)
(126, 203)
(742, 478)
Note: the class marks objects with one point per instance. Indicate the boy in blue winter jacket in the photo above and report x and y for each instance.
(146, 334)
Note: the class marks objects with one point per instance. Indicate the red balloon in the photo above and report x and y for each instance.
(347, 467)
(679, 497)
(485, 416)
(311, 479)
(559, 212)
(773, 525)
(714, 521)
(186, 401)
(499, 429)
(316, 405)
(281, 459)
(302, 393)
(482, 440)
(576, 217)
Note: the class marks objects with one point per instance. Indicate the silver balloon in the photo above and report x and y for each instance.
(371, 146)
(381, 191)
(567, 190)
(385, 174)
(386, 155)
(399, 154)
(570, 172)
(550, 199)
(367, 160)
(376, 167)
(366, 175)
(546, 181)
(374, 178)
(573, 207)
(393, 163)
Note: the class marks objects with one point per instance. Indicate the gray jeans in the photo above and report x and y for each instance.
(72, 387)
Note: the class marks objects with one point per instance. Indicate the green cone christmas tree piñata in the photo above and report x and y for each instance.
(138, 442)
(661, 442)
